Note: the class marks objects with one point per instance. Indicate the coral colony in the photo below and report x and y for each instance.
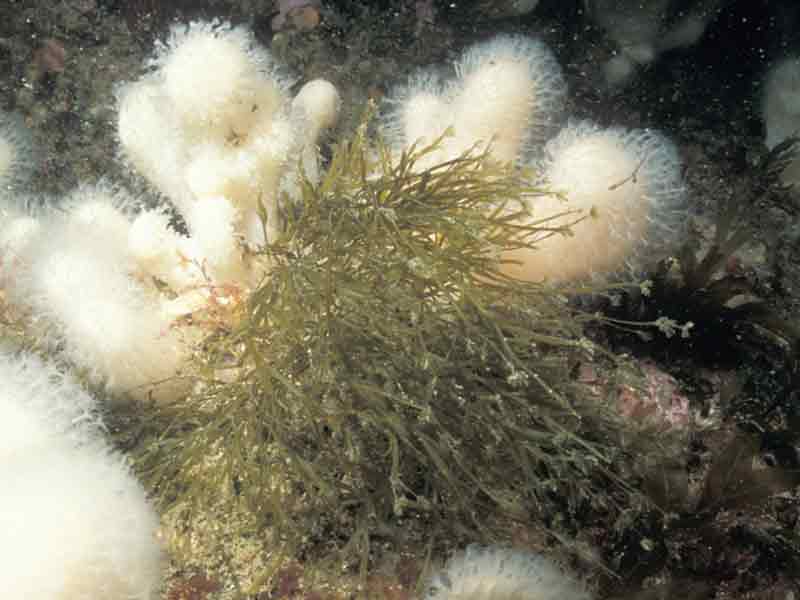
(629, 179)
(120, 292)
(503, 574)
(74, 522)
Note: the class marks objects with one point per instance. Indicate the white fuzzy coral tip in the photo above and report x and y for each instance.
(320, 103)
(503, 574)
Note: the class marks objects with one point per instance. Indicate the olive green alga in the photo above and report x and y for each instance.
(386, 370)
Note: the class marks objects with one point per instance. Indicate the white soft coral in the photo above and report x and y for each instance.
(74, 523)
(627, 187)
(210, 121)
(507, 94)
(212, 129)
(503, 574)
(86, 294)
(40, 405)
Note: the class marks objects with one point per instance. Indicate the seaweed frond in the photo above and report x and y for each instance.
(387, 373)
